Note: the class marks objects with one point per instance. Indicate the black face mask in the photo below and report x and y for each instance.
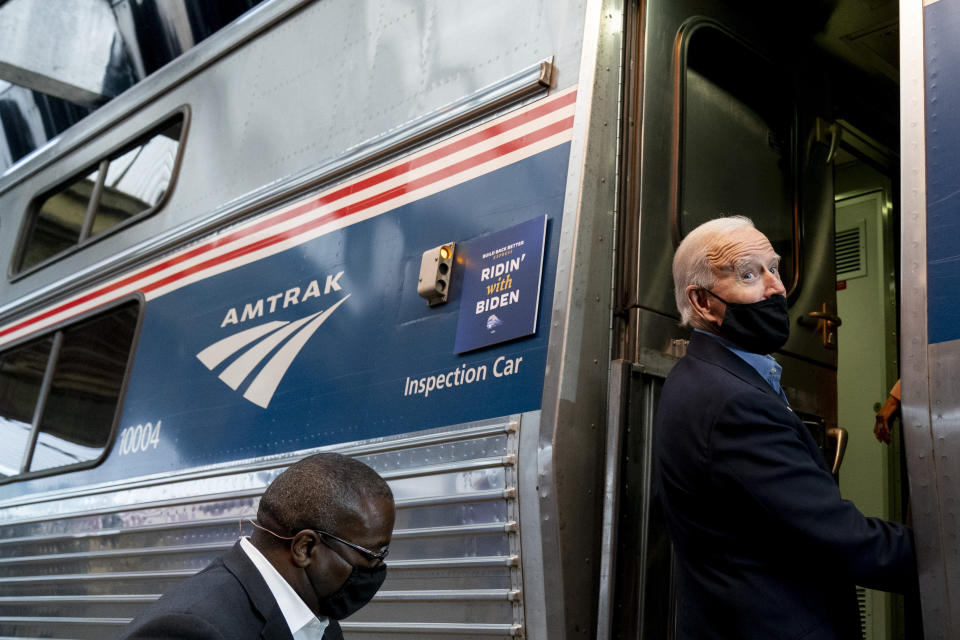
(760, 327)
(355, 592)
(358, 589)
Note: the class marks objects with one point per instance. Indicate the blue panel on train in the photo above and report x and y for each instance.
(941, 25)
(329, 342)
(501, 286)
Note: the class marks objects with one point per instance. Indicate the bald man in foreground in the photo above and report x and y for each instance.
(766, 547)
(316, 555)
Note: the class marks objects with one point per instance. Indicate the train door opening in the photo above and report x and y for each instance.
(873, 475)
(726, 116)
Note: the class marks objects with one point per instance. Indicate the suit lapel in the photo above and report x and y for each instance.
(705, 348)
(276, 628)
(712, 351)
(239, 564)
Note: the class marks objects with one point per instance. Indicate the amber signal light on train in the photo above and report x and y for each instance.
(435, 268)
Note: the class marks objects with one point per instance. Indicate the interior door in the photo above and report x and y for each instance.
(732, 119)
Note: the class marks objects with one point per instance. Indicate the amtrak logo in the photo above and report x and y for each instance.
(270, 350)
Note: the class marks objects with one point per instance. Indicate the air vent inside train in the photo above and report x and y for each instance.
(850, 252)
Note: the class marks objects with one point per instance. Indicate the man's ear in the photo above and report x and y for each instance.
(302, 546)
(702, 303)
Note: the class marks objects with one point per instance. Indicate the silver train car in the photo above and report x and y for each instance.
(438, 237)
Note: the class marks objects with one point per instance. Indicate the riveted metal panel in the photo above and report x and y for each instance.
(275, 95)
(82, 563)
(929, 372)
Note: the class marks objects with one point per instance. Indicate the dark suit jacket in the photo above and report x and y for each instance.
(229, 600)
(766, 547)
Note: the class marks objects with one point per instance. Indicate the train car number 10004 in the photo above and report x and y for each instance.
(140, 438)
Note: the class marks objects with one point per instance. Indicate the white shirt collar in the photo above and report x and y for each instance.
(304, 625)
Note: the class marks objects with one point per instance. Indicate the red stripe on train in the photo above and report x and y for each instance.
(397, 170)
(413, 185)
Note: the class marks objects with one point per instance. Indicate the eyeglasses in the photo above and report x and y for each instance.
(377, 556)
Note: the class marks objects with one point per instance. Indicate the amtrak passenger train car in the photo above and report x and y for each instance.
(437, 236)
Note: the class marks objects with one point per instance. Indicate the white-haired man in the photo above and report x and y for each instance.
(766, 547)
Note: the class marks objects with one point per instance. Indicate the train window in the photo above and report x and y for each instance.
(21, 376)
(128, 184)
(59, 220)
(59, 394)
(738, 140)
(137, 180)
